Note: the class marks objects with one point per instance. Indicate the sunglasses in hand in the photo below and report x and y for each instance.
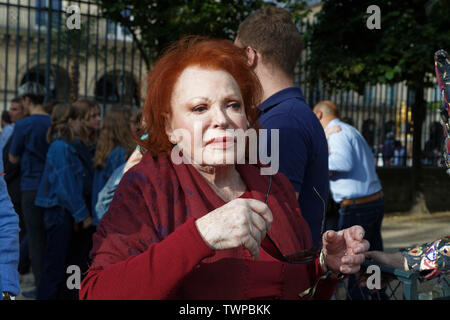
(299, 257)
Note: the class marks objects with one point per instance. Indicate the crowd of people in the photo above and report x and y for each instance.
(204, 228)
(56, 159)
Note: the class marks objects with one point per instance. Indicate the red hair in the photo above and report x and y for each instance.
(194, 51)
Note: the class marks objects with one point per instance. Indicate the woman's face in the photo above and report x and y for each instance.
(207, 107)
(93, 119)
(76, 125)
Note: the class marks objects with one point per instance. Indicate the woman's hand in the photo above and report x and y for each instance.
(344, 250)
(240, 222)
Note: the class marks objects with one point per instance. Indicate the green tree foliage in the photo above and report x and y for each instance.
(345, 54)
(156, 23)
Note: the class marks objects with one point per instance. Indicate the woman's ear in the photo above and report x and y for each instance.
(168, 128)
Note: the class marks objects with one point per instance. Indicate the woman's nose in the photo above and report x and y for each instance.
(219, 118)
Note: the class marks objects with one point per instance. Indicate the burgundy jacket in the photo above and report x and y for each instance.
(148, 247)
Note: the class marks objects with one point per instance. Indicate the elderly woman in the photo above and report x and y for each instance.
(204, 228)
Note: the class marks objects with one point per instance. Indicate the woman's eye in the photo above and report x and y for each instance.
(235, 105)
(199, 109)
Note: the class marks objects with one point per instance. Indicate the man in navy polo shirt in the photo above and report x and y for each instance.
(273, 46)
(29, 147)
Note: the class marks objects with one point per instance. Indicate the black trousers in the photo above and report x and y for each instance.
(34, 222)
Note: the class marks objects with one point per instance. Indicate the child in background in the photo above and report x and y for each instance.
(86, 143)
(61, 194)
(90, 115)
(115, 144)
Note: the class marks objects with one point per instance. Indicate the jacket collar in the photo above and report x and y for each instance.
(280, 96)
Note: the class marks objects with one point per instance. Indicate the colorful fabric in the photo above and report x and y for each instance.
(431, 259)
(442, 68)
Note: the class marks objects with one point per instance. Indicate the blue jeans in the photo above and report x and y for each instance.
(369, 216)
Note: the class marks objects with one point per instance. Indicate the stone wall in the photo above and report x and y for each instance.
(397, 185)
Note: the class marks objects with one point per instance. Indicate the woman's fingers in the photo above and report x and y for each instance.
(334, 241)
(355, 259)
(252, 246)
(354, 234)
(347, 247)
(262, 209)
(351, 262)
(259, 223)
(363, 247)
(239, 222)
(346, 269)
(255, 233)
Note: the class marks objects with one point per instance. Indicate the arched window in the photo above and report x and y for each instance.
(117, 87)
(58, 80)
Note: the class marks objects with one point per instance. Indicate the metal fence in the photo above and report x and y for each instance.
(97, 60)
(383, 116)
(101, 61)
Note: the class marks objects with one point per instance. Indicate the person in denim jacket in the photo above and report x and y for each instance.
(106, 195)
(115, 145)
(9, 245)
(61, 193)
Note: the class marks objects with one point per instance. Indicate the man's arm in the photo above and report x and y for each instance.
(340, 157)
(17, 145)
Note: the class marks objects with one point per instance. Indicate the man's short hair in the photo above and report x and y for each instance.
(32, 90)
(17, 100)
(272, 32)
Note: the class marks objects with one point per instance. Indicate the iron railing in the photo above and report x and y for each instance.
(397, 284)
(383, 114)
(36, 44)
(98, 61)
